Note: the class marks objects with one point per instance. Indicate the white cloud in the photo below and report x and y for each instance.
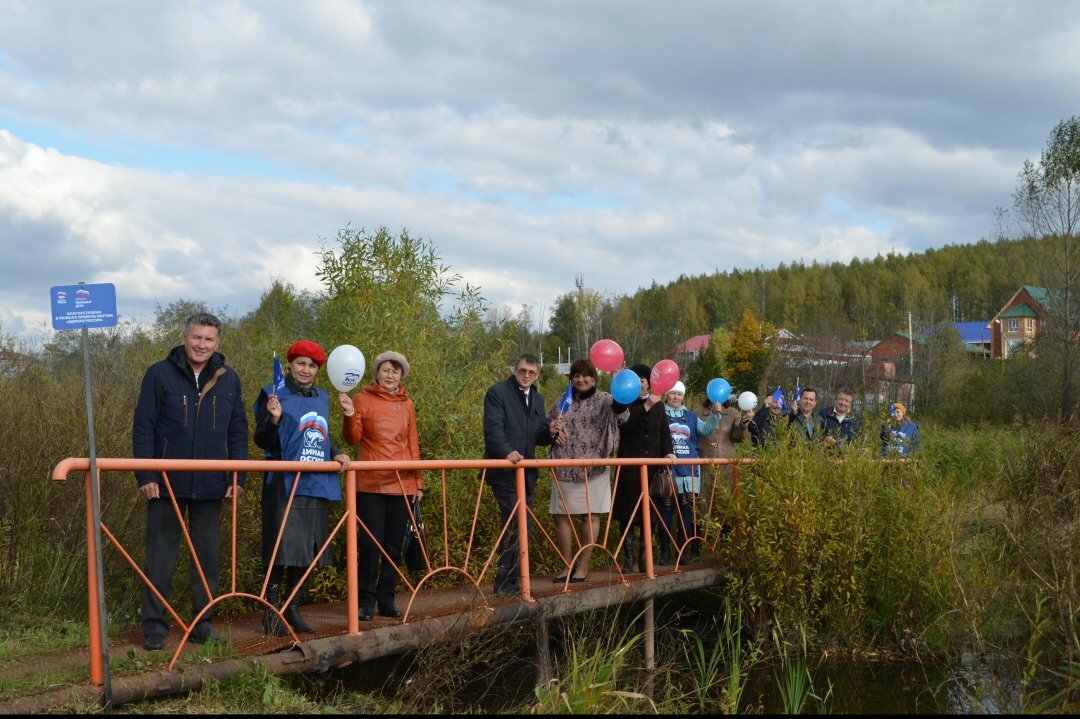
(203, 148)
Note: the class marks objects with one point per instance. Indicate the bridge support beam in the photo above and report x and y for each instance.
(545, 668)
(320, 655)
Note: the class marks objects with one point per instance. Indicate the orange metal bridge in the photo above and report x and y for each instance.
(450, 609)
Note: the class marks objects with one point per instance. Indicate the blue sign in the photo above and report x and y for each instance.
(77, 306)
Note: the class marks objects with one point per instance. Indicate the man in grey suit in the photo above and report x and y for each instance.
(514, 425)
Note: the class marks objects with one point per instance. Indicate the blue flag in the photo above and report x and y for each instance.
(798, 393)
(567, 399)
(778, 397)
(279, 376)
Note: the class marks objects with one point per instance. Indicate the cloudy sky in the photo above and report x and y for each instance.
(201, 150)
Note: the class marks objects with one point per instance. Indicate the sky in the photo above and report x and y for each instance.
(204, 150)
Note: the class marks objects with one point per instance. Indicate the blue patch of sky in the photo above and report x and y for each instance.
(838, 209)
(132, 152)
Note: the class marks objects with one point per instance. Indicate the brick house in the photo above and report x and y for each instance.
(688, 351)
(1019, 320)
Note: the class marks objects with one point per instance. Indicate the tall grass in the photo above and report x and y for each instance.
(832, 541)
(1040, 537)
(718, 673)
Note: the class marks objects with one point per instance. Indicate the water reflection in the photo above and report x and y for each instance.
(497, 674)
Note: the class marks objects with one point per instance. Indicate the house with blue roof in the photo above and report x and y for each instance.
(976, 336)
(1019, 321)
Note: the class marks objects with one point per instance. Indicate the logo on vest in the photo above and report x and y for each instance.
(314, 429)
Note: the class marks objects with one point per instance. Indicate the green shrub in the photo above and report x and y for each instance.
(840, 543)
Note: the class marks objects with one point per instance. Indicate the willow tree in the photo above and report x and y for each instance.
(1047, 200)
(393, 292)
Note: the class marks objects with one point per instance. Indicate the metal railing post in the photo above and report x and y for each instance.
(523, 533)
(646, 523)
(351, 574)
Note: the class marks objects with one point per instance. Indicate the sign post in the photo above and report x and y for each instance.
(83, 306)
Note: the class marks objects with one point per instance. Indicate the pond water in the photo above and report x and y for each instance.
(496, 673)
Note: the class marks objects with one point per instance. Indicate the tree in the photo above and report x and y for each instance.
(942, 369)
(385, 292)
(751, 352)
(1047, 200)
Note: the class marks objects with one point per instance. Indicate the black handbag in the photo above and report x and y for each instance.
(414, 545)
(662, 484)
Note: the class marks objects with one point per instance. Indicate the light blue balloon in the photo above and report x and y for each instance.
(625, 386)
(718, 390)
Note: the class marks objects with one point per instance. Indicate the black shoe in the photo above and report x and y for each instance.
(665, 558)
(271, 623)
(365, 615)
(579, 580)
(154, 643)
(292, 616)
(390, 611)
(206, 637)
(559, 580)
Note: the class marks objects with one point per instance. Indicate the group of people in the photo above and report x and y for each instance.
(593, 427)
(834, 426)
(190, 406)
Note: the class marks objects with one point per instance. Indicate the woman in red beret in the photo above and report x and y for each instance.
(291, 423)
(381, 419)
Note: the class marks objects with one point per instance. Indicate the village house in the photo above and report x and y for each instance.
(1019, 320)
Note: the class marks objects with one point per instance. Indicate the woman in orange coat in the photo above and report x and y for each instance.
(381, 419)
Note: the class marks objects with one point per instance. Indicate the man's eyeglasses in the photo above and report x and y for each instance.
(526, 372)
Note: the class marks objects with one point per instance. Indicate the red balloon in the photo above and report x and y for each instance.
(665, 374)
(606, 355)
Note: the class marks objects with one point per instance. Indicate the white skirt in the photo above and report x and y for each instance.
(599, 495)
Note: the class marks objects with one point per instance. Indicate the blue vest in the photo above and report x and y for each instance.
(304, 435)
(684, 445)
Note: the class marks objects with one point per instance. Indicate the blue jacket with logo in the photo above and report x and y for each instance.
(302, 435)
(685, 427)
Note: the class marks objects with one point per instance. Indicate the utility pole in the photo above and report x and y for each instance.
(540, 327)
(911, 359)
(761, 269)
(579, 282)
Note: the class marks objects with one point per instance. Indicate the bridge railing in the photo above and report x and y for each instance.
(475, 570)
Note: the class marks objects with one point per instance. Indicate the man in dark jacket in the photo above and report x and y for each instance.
(190, 407)
(514, 425)
(839, 426)
(806, 425)
(760, 424)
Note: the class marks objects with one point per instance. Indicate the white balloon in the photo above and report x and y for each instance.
(345, 367)
(747, 401)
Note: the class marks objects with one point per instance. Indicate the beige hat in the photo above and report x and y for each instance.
(393, 357)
